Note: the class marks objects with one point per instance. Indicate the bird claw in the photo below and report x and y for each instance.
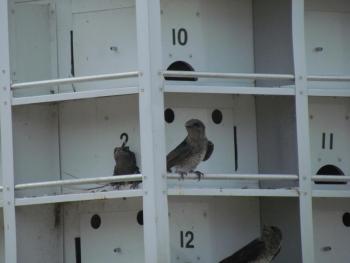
(134, 185)
(116, 186)
(182, 175)
(199, 174)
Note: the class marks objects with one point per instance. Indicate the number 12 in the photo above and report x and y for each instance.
(190, 236)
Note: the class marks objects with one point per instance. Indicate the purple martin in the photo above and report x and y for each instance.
(260, 250)
(125, 162)
(193, 149)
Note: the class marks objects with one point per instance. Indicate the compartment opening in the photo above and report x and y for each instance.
(329, 170)
(180, 66)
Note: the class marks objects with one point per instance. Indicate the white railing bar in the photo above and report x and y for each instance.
(229, 89)
(77, 197)
(330, 178)
(237, 176)
(251, 76)
(109, 179)
(233, 192)
(328, 78)
(51, 82)
(74, 95)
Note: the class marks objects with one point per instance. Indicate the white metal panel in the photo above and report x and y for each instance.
(330, 230)
(90, 130)
(330, 116)
(96, 34)
(330, 32)
(83, 6)
(328, 6)
(34, 45)
(284, 213)
(277, 140)
(38, 234)
(36, 146)
(220, 36)
(237, 111)
(118, 231)
(219, 230)
(72, 220)
(190, 233)
(2, 239)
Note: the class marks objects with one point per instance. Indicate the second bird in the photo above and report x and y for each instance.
(194, 148)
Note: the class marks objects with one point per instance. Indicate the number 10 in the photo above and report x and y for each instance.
(180, 36)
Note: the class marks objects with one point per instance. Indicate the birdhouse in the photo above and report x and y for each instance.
(187, 131)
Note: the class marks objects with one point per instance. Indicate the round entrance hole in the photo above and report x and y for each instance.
(169, 115)
(216, 116)
(95, 221)
(139, 217)
(180, 66)
(346, 219)
(329, 170)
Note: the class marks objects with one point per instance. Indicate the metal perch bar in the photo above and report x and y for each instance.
(250, 76)
(330, 178)
(328, 78)
(109, 179)
(51, 82)
(237, 176)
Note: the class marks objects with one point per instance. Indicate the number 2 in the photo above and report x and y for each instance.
(190, 236)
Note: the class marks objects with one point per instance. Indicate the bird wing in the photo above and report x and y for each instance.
(133, 159)
(210, 149)
(178, 155)
(276, 254)
(248, 253)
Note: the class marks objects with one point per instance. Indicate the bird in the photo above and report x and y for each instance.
(260, 250)
(191, 151)
(125, 162)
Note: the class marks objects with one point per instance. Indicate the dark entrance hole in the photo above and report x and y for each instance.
(180, 66)
(329, 170)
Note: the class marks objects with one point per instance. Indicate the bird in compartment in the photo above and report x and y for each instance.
(125, 162)
(261, 250)
(194, 149)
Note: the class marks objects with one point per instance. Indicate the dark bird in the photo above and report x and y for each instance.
(260, 250)
(194, 149)
(125, 162)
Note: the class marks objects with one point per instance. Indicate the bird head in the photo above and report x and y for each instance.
(272, 233)
(195, 129)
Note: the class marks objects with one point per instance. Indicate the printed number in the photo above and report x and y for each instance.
(189, 236)
(180, 36)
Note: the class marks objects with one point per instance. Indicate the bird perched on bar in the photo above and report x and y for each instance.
(260, 250)
(193, 149)
(125, 162)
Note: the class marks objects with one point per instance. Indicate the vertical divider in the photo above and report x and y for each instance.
(7, 139)
(302, 121)
(151, 107)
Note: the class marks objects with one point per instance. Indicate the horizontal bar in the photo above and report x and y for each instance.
(331, 193)
(330, 178)
(77, 197)
(211, 75)
(237, 176)
(1, 188)
(109, 179)
(290, 91)
(328, 78)
(329, 92)
(233, 192)
(51, 82)
(74, 95)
